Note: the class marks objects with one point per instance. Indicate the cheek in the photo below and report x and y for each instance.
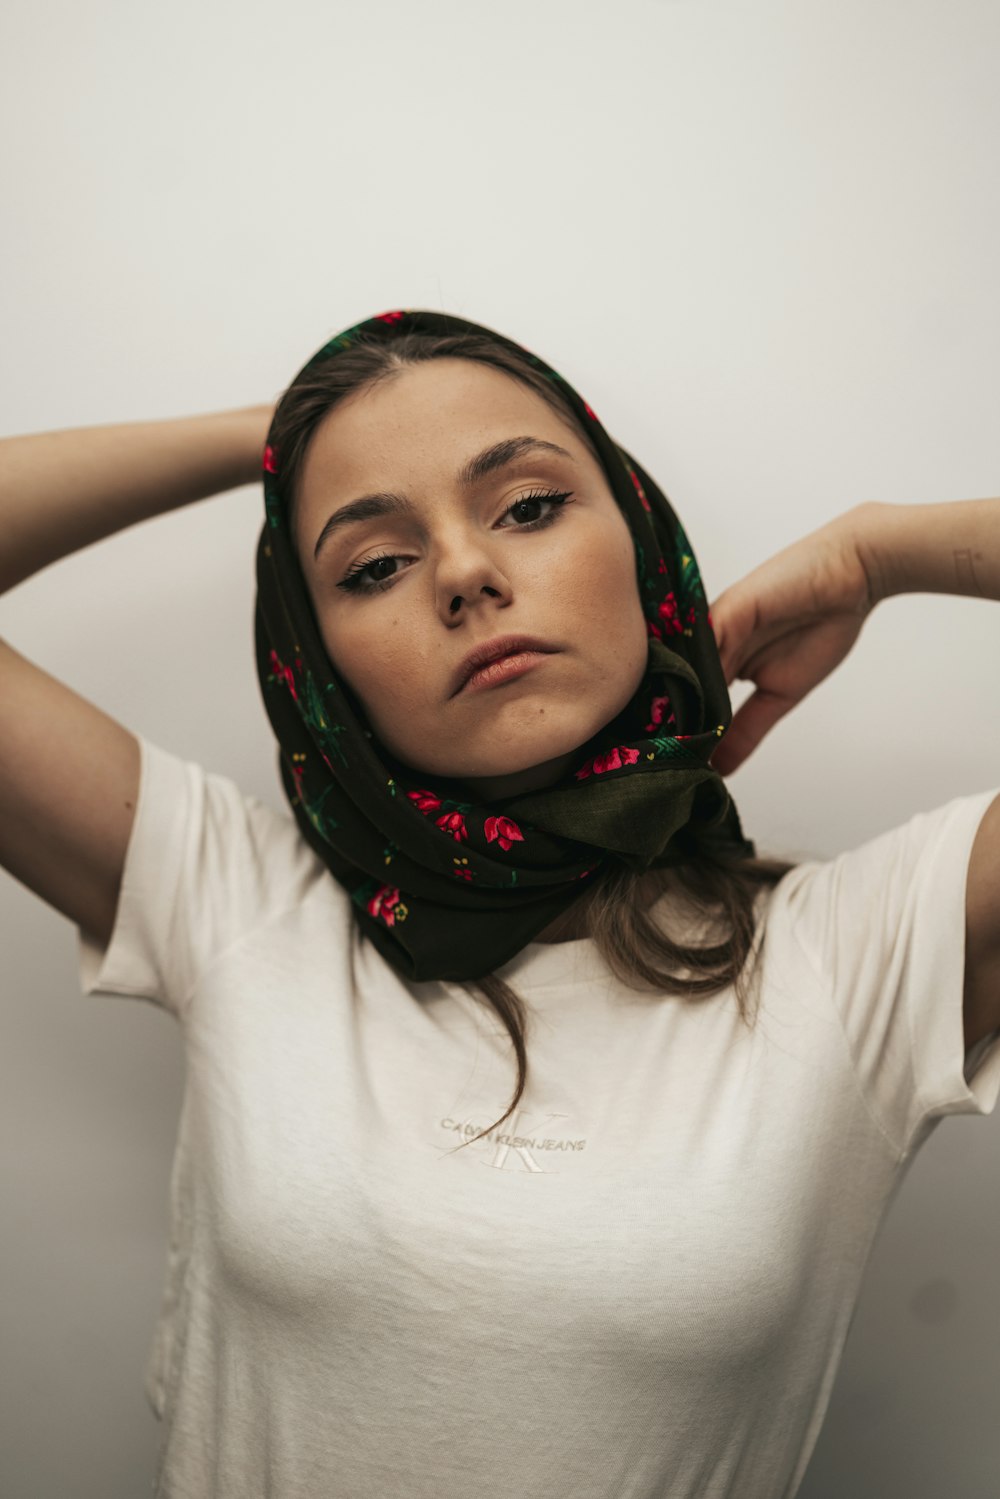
(619, 636)
(356, 655)
(605, 586)
(374, 656)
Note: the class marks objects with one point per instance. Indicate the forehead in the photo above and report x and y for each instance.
(420, 426)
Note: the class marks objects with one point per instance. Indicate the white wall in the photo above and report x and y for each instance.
(762, 240)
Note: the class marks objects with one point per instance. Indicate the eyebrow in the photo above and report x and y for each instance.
(385, 502)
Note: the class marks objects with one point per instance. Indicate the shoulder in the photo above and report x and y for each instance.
(906, 907)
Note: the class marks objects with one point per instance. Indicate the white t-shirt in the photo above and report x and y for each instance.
(639, 1288)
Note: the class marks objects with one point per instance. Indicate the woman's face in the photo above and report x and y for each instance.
(459, 567)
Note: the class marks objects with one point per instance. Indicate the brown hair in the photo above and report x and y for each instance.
(715, 891)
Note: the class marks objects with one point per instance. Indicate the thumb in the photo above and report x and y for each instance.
(756, 718)
(733, 617)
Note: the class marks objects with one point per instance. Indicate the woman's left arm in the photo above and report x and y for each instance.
(791, 621)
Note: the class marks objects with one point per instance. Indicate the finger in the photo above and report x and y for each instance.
(734, 620)
(756, 718)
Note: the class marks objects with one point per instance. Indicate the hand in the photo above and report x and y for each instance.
(788, 624)
(256, 422)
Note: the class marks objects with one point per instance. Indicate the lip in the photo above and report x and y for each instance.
(495, 650)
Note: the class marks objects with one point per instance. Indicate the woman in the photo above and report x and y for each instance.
(641, 1285)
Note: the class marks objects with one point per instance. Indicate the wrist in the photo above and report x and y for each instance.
(247, 430)
(876, 529)
(951, 548)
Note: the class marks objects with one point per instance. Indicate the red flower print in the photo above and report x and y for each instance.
(614, 760)
(689, 617)
(504, 830)
(592, 414)
(668, 613)
(453, 823)
(657, 708)
(383, 904)
(389, 317)
(285, 673)
(424, 801)
(640, 491)
(654, 629)
(270, 460)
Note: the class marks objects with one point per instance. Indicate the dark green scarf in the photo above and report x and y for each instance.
(449, 888)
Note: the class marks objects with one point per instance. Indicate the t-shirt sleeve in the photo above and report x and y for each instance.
(205, 865)
(883, 926)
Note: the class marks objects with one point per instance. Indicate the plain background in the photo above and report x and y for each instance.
(762, 240)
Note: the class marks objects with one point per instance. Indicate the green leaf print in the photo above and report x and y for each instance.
(315, 714)
(363, 894)
(666, 747)
(646, 582)
(689, 585)
(323, 824)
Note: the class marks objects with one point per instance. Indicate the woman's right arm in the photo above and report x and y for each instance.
(69, 774)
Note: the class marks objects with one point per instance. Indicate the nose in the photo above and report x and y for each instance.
(466, 575)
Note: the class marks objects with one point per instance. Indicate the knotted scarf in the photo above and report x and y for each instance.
(448, 887)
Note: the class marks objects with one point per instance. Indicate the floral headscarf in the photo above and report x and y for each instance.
(447, 887)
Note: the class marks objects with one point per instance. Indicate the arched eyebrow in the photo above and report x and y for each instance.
(385, 502)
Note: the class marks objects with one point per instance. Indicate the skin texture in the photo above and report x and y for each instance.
(571, 583)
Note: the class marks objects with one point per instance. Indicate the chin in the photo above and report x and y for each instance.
(504, 752)
(504, 763)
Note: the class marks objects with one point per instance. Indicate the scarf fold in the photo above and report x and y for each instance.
(447, 887)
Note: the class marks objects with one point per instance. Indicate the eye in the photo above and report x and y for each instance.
(356, 581)
(362, 577)
(543, 496)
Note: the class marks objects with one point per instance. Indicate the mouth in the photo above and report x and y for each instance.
(504, 669)
(500, 660)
